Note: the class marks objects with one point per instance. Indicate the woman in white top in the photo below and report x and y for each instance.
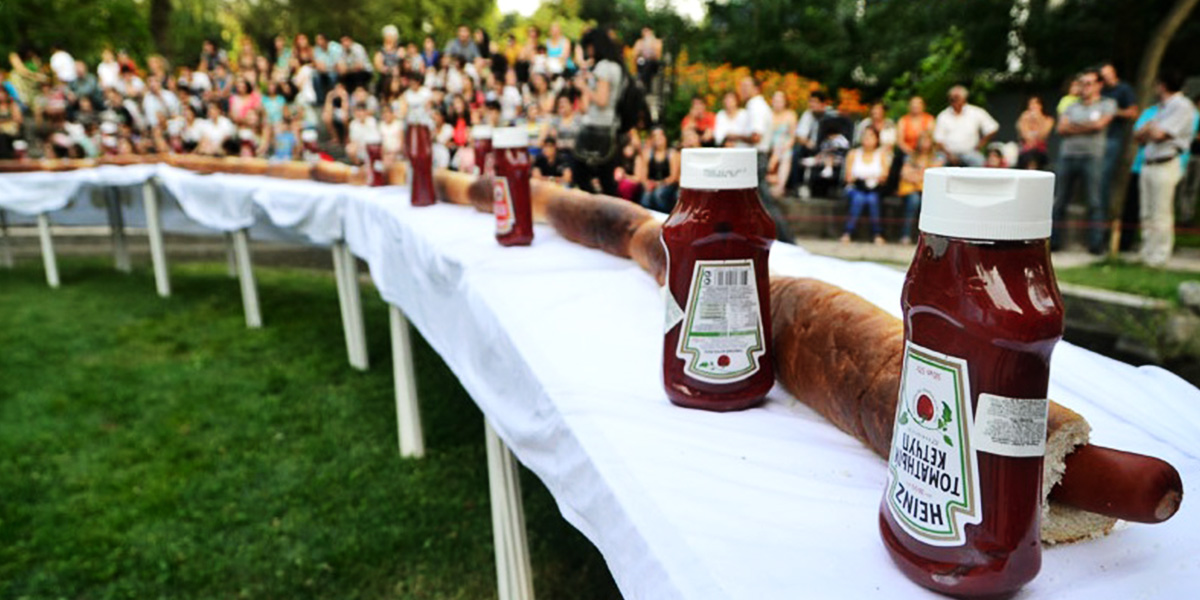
(866, 171)
(732, 124)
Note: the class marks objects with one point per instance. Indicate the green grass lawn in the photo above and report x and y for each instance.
(1131, 278)
(156, 448)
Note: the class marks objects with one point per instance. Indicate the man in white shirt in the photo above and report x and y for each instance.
(62, 64)
(759, 114)
(963, 130)
(1165, 138)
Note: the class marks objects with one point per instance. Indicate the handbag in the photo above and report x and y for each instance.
(596, 145)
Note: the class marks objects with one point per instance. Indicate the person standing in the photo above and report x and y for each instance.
(598, 143)
(963, 130)
(647, 51)
(1081, 157)
(760, 115)
(1127, 111)
(1165, 137)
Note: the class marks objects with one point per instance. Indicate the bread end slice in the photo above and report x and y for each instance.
(1062, 524)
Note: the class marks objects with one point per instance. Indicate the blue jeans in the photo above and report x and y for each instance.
(859, 200)
(1087, 171)
(912, 205)
(661, 198)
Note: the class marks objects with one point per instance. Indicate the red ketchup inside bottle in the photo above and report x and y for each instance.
(484, 161)
(717, 343)
(418, 144)
(374, 147)
(982, 313)
(510, 187)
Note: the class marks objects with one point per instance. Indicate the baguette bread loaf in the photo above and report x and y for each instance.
(292, 169)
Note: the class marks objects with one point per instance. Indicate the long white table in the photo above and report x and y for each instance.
(560, 346)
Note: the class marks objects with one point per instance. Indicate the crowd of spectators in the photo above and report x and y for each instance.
(296, 99)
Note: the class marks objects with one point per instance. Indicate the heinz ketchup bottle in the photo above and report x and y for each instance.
(418, 145)
(982, 313)
(717, 345)
(373, 144)
(512, 206)
(481, 136)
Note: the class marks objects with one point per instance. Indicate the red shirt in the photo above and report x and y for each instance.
(706, 122)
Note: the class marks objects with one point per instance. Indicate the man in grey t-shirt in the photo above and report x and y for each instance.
(1081, 160)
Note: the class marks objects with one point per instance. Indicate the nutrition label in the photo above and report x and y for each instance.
(1011, 426)
(722, 336)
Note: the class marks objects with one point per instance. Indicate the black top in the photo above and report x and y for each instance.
(658, 167)
(1124, 96)
(550, 169)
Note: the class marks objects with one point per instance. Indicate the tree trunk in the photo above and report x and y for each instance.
(1147, 73)
(160, 25)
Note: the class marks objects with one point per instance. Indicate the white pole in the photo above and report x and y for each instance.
(116, 224)
(48, 258)
(6, 256)
(514, 573)
(408, 412)
(231, 266)
(350, 298)
(241, 248)
(158, 254)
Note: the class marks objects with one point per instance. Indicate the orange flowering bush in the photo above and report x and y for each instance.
(712, 82)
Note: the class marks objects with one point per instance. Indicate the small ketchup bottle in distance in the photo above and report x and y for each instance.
(717, 340)
(510, 187)
(961, 511)
(418, 145)
(481, 136)
(374, 148)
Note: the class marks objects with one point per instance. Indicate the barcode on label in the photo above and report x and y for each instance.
(739, 277)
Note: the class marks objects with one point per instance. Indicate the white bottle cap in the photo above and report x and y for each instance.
(718, 169)
(481, 132)
(987, 204)
(510, 137)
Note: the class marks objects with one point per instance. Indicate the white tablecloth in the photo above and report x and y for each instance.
(560, 346)
(303, 211)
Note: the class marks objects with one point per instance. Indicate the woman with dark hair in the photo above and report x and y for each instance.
(600, 83)
(659, 168)
(866, 170)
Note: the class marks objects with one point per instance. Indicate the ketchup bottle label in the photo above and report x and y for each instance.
(722, 336)
(933, 483)
(1011, 426)
(502, 206)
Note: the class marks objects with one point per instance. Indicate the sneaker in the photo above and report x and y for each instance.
(879, 241)
(805, 193)
(845, 239)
